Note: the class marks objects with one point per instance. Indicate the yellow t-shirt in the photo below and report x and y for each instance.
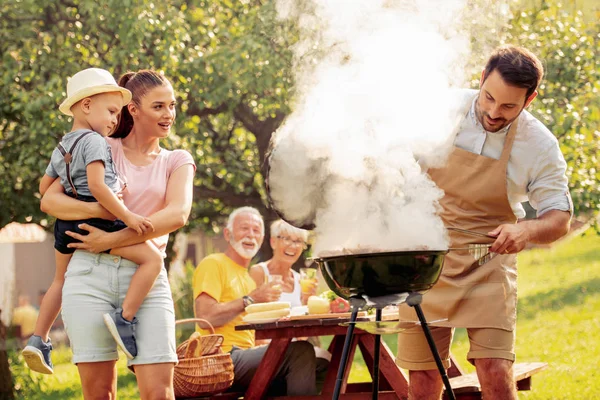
(25, 316)
(224, 280)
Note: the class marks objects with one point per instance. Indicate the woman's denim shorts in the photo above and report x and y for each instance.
(96, 284)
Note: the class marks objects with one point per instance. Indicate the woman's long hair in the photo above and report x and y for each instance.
(139, 83)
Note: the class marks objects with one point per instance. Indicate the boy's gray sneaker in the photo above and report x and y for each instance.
(37, 355)
(122, 331)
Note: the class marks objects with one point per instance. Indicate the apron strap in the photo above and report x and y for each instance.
(508, 142)
(68, 157)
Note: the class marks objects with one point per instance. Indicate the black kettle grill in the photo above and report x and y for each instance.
(378, 280)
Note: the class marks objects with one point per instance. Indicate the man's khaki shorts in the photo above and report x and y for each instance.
(414, 353)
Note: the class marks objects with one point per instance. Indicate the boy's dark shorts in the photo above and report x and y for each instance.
(61, 239)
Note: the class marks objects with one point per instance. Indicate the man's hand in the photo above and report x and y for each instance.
(138, 223)
(510, 238)
(266, 293)
(96, 242)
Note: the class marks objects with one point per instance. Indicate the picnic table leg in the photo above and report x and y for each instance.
(336, 347)
(267, 368)
(455, 369)
(387, 365)
(368, 357)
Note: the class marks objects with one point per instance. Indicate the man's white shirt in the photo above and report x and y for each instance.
(536, 168)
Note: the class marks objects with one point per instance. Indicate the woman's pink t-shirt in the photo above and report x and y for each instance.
(147, 186)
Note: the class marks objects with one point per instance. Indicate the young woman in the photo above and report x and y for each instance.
(159, 186)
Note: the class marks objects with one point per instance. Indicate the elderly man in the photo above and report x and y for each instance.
(223, 289)
(25, 316)
(502, 156)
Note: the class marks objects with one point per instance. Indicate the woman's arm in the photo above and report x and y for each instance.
(257, 273)
(56, 203)
(178, 204)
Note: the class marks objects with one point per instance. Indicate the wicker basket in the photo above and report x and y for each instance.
(210, 373)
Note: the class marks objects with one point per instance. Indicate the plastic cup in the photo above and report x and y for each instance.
(308, 279)
(277, 279)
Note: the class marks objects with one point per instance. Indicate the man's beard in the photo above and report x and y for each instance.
(481, 117)
(495, 128)
(246, 254)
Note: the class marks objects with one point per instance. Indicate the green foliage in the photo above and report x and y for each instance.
(64, 384)
(183, 299)
(25, 381)
(569, 99)
(568, 103)
(230, 63)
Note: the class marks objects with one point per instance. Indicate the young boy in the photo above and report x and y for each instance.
(84, 164)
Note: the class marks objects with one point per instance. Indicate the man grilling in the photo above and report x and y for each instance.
(502, 156)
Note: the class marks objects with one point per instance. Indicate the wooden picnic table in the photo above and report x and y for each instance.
(393, 382)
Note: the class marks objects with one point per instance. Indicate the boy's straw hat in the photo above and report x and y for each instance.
(89, 82)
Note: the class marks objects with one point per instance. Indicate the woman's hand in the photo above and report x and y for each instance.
(309, 289)
(138, 223)
(266, 293)
(96, 241)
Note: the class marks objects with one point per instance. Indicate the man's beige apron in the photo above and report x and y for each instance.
(467, 294)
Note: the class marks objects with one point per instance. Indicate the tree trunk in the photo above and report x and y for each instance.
(6, 382)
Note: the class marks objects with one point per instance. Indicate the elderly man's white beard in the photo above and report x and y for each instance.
(247, 254)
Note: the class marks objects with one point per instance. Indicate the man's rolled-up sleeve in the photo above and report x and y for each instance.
(549, 187)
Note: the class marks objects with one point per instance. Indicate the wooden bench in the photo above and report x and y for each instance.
(467, 387)
(221, 396)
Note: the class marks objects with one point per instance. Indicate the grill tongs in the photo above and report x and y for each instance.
(480, 251)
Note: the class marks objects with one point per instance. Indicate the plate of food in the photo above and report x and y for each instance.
(263, 321)
(262, 313)
(326, 305)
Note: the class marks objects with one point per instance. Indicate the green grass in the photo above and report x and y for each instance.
(64, 383)
(558, 323)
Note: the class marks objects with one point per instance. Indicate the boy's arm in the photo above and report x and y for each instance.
(56, 203)
(106, 197)
(45, 183)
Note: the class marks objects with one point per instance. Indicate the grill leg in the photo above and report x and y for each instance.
(378, 312)
(414, 300)
(357, 303)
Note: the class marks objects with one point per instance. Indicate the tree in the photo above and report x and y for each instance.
(570, 93)
(228, 62)
(231, 66)
(6, 383)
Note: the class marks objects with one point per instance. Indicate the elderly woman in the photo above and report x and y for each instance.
(288, 243)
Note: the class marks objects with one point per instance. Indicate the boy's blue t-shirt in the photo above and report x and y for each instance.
(92, 147)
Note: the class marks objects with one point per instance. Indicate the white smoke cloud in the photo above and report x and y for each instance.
(379, 101)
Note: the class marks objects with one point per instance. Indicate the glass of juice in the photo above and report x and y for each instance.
(308, 279)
